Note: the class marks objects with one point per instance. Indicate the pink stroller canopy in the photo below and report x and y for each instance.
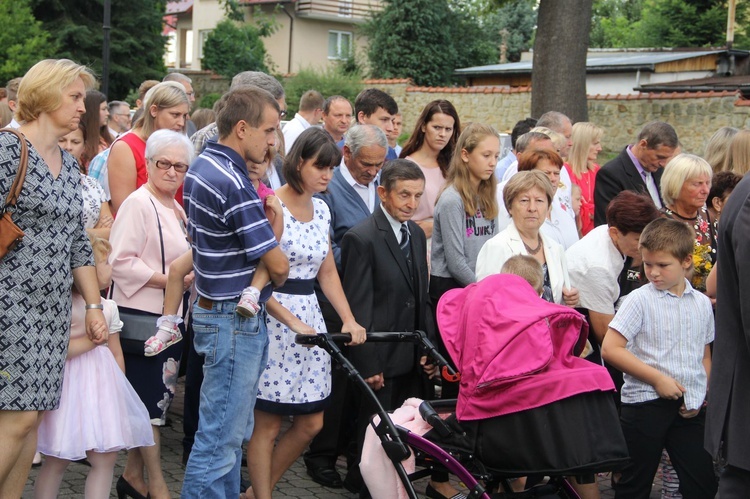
(514, 350)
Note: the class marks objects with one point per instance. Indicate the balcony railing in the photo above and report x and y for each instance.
(344, 10)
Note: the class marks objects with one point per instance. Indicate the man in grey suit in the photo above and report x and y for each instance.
(727, 428)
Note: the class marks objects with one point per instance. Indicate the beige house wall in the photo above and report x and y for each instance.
(309, 36)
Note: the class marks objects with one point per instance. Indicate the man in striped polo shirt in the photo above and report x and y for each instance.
(230, 236)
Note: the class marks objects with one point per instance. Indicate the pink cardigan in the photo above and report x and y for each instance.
(513, 349)
(136, 250)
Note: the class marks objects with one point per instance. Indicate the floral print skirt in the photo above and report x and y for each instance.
(153, 378)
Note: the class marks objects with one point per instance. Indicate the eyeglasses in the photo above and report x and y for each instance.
(121, 114)
(163, 164)
(282, 113)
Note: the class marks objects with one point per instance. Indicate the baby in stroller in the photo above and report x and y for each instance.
(527, 404)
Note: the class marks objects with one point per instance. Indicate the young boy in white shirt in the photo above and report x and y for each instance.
(660, 339)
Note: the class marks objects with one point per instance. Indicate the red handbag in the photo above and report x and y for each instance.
(10, 234)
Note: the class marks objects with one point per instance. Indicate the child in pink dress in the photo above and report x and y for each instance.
(99, 412)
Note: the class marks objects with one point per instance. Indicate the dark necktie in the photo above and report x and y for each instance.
(405, 248)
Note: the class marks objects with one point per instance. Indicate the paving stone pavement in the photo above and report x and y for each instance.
(295, 484)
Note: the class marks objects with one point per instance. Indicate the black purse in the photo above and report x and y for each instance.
(138, 326)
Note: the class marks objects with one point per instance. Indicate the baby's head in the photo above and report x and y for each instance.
(527, 267)
(257, 171)
(576, 197)
(102, 249)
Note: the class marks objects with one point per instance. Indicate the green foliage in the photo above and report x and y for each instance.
(23, 40)
(404, 41)
(208, 100)
(230, 49)
(332, 81)
(136, 41)
(663, 23)
(518, 18)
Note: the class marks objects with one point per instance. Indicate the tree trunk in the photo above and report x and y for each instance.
(558, 80)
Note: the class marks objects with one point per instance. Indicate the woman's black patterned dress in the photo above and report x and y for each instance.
(36, 278)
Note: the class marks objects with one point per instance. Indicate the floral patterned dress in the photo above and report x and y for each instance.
(704, 254)
(297, 379)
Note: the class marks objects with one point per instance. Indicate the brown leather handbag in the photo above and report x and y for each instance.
(10, 234)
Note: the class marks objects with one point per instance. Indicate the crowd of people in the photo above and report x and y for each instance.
(229, 231)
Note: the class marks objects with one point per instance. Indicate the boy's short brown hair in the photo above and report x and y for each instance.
(671, 236)
(527, 267)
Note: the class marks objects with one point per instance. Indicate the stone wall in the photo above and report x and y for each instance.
(206, 82)
(695, 116)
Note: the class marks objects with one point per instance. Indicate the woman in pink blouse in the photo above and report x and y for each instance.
(148, 234)
(431, 147)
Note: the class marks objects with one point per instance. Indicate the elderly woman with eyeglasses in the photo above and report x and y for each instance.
(147, 236)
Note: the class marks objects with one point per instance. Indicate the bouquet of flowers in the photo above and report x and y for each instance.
(701, 266)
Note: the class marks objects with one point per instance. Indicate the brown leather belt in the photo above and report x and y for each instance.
(205, 303)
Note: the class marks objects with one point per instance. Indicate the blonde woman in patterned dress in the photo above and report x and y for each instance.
(36, 278)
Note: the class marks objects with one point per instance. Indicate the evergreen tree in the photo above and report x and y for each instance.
(22, 38)
(426, 40)
(408, 38)
(518, 18)
(136, 42)
(230, 49)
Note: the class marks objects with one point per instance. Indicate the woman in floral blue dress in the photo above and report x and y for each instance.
(297, 379)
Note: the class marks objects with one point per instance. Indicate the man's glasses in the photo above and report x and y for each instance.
(163, 164)
(282, 113)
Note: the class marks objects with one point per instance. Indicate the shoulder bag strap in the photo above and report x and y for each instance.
(15, 189)
(161, 242)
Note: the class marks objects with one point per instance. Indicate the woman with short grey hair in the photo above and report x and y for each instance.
(685, 185)
(147, 236)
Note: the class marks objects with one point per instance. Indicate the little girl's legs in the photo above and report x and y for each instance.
(50, 476)
(99, 479)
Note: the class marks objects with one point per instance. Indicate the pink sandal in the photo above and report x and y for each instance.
(154, 345)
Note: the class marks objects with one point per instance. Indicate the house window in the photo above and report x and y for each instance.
(345, 8)
(202, 35)
(339, 44)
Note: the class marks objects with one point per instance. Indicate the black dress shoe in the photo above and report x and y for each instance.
(327, 477)
(124, 489)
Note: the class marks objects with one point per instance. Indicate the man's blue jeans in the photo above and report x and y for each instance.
(235, 350)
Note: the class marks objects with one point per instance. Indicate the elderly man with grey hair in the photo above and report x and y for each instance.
(351, 194)
(351, 198)
(244, 79)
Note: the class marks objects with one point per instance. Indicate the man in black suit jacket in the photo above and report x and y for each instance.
(656, 144)
(727, 429)
(384, 264)
(386, 289)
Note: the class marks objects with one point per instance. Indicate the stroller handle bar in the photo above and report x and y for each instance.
(418, 337)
